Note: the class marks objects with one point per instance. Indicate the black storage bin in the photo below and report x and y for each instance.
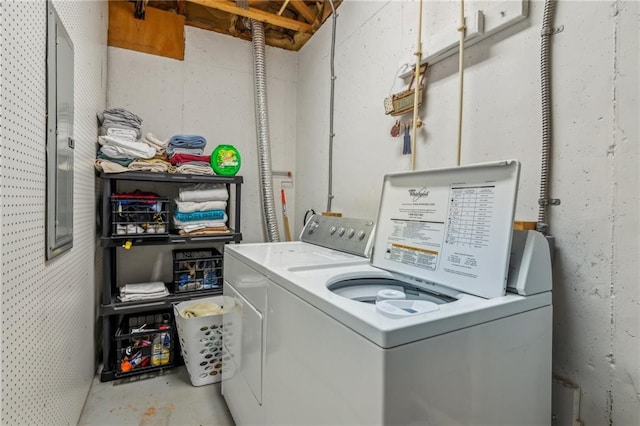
(145, 342)
(197, 269)
(139, 215)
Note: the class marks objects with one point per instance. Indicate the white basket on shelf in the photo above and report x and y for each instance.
(201, 341)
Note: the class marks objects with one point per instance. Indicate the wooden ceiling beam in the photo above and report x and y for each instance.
(303, 10)
(257, 14)
(182, 7)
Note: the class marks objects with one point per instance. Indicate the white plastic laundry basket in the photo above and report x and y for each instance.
(201, 341)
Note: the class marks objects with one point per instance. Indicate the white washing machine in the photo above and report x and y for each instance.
(448, 323)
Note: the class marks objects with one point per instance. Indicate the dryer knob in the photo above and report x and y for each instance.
(313, 226)
(341, 231)
(351, 232)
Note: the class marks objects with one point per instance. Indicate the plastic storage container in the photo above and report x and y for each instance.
(225, 160)
(136, 339)
(197, 269)
(201, 341)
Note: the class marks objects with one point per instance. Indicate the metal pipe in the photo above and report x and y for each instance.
(331, 101)
(262, 119)
(545, 82)
(462, 30)
(416, 93)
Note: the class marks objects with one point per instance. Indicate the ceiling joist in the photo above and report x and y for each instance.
(257, 14)
(288, 24)
(303, 10)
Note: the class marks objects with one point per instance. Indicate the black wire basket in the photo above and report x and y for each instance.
(139, 216)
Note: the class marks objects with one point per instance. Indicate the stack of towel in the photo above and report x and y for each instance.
(200, 209)
(186, 154)
(122, 147)
(143, 291)
(159, 145)
(114, 120)
(119, 134)
(159, 163)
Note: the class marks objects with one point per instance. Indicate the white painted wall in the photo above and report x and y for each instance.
(48, 308)
(595, 156)
(211, 93)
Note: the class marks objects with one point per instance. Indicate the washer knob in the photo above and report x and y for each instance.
(341, 231)
(351, 232)
(332, 230)
(361, 235)
(313, 226)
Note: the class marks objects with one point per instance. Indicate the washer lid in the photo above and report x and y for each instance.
(449, 226)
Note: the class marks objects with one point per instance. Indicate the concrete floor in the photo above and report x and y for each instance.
(166, 400)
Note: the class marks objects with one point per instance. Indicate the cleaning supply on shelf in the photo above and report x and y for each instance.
(225, 160)
(161, 350)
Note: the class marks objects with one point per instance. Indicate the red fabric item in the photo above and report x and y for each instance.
(135, 194)
(185, 158)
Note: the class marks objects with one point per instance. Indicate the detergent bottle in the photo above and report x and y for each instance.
(161, 349)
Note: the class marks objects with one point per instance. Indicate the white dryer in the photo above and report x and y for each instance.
(426, 333)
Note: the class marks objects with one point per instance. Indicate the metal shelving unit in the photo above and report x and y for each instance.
(111, 308)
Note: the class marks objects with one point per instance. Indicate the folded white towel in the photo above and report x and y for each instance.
(194, 226)
(152, 140)
(199, 206)
(144, 166)
(135, 149)
(195, 169)
(143, 288)
(191, 222)
(204, 192)
(127, 134)
(115, 152)
(150, 296)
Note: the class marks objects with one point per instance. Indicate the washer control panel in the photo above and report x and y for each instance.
(349, 235)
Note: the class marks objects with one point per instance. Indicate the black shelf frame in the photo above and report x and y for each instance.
(120, 308)
(111, 308)
(149, 240)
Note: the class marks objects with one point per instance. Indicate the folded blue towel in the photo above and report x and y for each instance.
(188, 141)
(203, 215)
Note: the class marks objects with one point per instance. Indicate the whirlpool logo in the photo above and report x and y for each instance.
(417, 194)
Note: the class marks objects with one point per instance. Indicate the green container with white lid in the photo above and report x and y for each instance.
(225, 160)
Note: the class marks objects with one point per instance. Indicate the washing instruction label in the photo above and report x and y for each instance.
(443, 228)
(418, 227)
(468, 230)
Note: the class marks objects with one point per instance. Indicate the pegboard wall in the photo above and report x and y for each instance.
(48, 308)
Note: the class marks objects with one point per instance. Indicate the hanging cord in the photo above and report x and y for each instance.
(331, 102)
(417, 89)
(306, 216)
(545, 83)
(462, 30)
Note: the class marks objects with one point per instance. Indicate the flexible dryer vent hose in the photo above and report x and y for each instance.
(262, 119)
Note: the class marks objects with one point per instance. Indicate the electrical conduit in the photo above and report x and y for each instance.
(331, 101)
(262, 119)
(545, 82)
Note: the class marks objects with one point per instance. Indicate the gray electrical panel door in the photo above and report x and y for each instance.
(60, 141)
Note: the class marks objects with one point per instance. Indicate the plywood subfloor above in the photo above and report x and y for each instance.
(288, 24)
